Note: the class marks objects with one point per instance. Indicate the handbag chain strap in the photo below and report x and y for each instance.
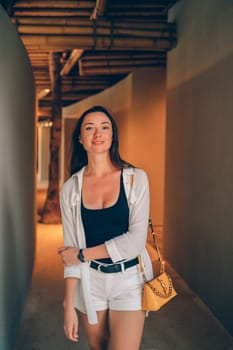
(167, 291)
(156, 246)
(154, 242)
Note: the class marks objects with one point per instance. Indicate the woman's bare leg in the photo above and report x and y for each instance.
(97, 334)
(126, 328)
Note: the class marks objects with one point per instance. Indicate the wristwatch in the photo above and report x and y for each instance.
(80, 256)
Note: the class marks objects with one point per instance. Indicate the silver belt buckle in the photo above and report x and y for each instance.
(122, 267)
(99, 267)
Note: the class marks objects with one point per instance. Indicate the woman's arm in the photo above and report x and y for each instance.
(70, 315)
(71, 273)
(69, 231)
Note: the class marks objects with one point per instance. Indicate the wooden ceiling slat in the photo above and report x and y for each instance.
(111, 63)
(115, 56)
(82, 22)
(53, 13)
(115, 69)
(126, 6)
(76, 87)
(134, 5)
(80, 94)
(83, 88)
(94, 79)
(166, 31)
(158, 3)
(55, 4)
(60, 43)
(120, 69)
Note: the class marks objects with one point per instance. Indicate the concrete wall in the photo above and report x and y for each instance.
(199, 161)
(17, 170)
(138, 105)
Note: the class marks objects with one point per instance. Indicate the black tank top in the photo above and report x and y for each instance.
(100, 225)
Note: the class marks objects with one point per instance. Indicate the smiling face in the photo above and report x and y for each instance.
(96, 133)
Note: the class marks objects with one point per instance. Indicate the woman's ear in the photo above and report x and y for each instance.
(80, 140)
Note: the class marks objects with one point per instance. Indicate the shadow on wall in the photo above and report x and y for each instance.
(17, 164)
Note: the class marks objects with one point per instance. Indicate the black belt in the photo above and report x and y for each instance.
(119, 267)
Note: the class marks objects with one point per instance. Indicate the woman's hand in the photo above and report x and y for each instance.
(69, 255)
(71, 323)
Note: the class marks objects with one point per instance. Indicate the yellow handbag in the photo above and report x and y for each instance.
(158, 291)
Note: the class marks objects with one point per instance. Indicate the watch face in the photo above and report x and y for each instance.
(81, 256)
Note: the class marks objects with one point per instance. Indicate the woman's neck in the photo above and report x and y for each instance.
(99, 166)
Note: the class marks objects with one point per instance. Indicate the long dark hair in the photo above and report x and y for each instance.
(79, 155)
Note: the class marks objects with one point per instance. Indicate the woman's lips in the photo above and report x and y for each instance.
(98, 142)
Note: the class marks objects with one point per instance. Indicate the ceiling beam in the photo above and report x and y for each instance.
(73, 59)
(99, 10)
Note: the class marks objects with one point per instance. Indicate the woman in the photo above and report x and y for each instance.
(105, 210)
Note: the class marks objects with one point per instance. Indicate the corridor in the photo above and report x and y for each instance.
(164, 69)
(184, 324)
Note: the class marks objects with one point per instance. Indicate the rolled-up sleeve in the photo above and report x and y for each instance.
(69, 234)
(131, 243)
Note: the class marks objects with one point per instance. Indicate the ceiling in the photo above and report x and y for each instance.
(98, 42)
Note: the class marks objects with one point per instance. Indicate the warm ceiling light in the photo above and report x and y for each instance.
(45, 124)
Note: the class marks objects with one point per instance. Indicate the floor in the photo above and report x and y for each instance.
(185, 323)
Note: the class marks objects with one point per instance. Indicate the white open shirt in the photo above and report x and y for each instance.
(124, 247)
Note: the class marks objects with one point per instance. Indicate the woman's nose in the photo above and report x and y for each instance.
(97, 132)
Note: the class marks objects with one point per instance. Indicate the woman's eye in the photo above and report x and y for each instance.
(88, 128)
(105, 127)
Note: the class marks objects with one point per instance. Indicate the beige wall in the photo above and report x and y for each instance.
(17, 179)
(146, 135)
(199, 162)
(138, 105)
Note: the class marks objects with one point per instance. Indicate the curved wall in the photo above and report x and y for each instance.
(17, 213)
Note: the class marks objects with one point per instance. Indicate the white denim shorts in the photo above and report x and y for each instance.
(120, 291)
